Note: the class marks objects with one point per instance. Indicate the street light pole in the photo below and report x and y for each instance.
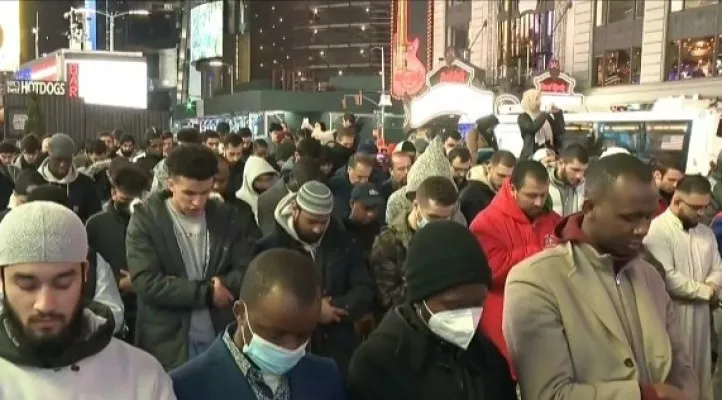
(383, 86)
(111, 23)
(110, 20)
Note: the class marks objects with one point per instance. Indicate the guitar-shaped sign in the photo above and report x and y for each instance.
(411, 79)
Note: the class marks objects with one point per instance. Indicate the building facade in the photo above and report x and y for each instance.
(619, 51)
(315, 40)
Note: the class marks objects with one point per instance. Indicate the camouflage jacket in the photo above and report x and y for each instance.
(387, 261)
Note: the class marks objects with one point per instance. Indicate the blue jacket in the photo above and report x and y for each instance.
(215, 375)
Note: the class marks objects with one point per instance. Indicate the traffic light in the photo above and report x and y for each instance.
(191, 106)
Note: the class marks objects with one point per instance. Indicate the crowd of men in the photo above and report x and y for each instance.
(311, 265)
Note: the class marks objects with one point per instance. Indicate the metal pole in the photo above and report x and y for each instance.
(37, 34)
(383, 89)
(233, 78)
(111, 17)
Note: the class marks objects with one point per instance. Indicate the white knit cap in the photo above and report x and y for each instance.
(540, 154)
(612, 151)
(42, 232)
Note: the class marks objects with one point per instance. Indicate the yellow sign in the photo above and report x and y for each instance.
(9, 35)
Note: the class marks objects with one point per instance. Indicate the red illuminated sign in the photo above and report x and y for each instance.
(410, 79)
(73, 80)
(551, 85)
(554, 81)
(453, 75)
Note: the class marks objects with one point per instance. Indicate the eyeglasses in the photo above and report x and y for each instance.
(695, 207)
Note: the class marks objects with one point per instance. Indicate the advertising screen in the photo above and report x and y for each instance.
(206, 31)
(9, 35)
(112, 83)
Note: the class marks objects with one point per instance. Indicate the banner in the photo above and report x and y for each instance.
(35, 87)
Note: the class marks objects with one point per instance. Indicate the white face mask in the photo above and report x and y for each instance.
(455, 326)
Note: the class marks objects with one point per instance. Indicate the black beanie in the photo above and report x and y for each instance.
(443, 255)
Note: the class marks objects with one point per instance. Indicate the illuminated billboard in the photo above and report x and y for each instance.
(109, 83)
(206, 31)
(9, 35)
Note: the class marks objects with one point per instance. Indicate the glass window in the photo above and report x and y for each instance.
(607, 12)
(691, 59)
(525, 46)
(599, 13)
(618, 67)
(620, 10)
(679, 5)
(639, 9)
(698, 3)
(458, 39)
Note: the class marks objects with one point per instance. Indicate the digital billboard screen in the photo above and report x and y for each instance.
(206, 31)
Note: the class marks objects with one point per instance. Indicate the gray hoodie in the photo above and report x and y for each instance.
(284, 217)
(566, 199)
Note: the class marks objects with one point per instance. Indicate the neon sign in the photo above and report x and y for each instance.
(73, 80)
(557, 87)
(450, 92)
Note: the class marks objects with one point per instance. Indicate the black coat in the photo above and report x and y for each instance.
(82, 195)
(529, 129)
(165, 296)
(475, 197)
(402, 359)
(106, 235)
(345, 279)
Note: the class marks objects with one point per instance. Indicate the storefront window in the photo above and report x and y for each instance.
(692, 58)
(618, 67)
(458, 39)
(525, 45)
(678, 5)
(608, 12)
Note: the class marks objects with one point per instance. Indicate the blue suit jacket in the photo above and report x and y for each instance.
(215, 375)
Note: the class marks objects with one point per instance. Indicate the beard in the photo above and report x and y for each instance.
(126, 153)
(306, 237)
(43, 346)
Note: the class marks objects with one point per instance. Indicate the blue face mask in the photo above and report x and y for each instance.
(269, 357)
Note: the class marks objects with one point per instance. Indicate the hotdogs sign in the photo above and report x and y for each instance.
(36, 87)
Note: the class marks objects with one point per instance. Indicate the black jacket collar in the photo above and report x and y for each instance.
(95, 333)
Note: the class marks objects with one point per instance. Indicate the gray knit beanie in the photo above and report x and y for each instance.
(61, 146)
(42, 232)
(315, 198)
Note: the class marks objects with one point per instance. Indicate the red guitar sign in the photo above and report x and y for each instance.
(410, 80)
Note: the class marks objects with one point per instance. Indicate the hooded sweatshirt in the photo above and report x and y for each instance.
(508, 237)
(82, 195)
(566, 199)
(432, 162)
(95, 366)
(255, 167)
(284, 218)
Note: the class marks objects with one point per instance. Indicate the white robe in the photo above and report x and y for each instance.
(118, 372)
(691, 263)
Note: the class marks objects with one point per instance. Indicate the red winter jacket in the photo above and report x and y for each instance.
(507, 237)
